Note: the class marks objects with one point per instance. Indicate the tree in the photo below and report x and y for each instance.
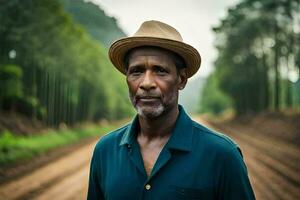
(258, 50)
(66, 73)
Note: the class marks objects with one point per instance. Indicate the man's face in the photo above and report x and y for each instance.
(153, 81)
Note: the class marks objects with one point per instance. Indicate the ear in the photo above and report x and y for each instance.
(182, 78)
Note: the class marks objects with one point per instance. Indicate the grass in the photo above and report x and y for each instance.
(16, 148)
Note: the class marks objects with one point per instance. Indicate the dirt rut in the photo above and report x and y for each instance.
(273, 165)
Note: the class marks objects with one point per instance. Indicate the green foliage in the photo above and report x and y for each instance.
(213, 100)
(67, 76)
(10, 82)
(258, 48)
(16, 148)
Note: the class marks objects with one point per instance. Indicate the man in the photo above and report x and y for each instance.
(162, 153)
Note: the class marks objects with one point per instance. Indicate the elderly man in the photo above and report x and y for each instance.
(162, 154)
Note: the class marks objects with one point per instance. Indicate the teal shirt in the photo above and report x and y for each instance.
(196, 163)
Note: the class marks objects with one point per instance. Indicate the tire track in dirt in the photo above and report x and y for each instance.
(54, 174)
(272, 181)
(68, 188)
(273, 168)
(273, 165)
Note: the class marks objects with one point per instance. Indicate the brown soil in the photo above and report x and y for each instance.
(62, 178)
(14, 171)
(282, 126)
(273, 163)
(271, 148)
(19, 124)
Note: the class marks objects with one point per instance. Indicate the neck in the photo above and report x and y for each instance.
(160, 127)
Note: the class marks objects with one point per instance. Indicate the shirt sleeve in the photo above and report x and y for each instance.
(94, 190)
(234, 182)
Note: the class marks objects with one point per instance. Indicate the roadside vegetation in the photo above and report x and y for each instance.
(15, 148)
(54, 70)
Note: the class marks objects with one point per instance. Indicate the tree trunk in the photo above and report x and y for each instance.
(276, 70)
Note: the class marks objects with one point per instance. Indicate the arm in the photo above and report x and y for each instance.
(94, 190)
(234, 182)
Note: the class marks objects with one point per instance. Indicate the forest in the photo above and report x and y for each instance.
(54, 66)
(258, 63)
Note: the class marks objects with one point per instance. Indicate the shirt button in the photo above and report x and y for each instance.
(148, 187)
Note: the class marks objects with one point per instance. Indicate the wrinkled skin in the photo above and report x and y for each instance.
(153, 81)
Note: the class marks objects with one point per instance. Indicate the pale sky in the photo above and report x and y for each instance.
(192, 18)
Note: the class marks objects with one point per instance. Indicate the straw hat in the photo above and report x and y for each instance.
(158, 34)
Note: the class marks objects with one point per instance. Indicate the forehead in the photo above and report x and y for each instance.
(156, 53)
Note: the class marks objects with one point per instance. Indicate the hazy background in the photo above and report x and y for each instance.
(59, 92)
(194, 19)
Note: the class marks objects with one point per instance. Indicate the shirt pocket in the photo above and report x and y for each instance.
(192, 193)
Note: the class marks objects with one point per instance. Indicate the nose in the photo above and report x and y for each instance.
(148, 82)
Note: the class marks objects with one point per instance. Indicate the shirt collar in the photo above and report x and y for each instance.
(182, 134)
(130, 133)
(181, 138)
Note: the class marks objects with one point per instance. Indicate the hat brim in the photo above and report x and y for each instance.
(120, 47)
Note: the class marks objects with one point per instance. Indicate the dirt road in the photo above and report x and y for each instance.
(65, 178)
(273, 166)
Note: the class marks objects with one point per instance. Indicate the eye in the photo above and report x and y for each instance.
(160, 70)
(135, 71)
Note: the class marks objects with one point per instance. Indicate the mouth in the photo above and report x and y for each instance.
(148, 98)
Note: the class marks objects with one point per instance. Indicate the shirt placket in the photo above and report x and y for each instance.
(149, 189)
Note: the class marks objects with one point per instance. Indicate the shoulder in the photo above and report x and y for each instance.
(214, 141)
(222, 149)
(110, 139)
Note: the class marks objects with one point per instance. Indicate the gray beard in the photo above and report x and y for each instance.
(154, 113)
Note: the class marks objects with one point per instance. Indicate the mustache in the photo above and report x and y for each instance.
(147, 96)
